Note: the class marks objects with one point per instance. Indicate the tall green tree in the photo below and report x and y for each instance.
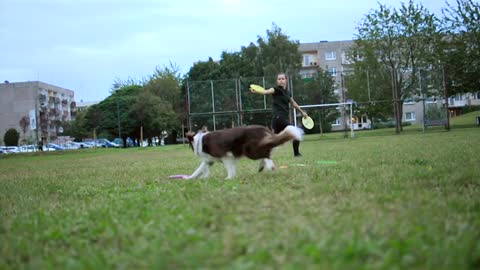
(369, 84)
(461, 50)
(104, 116)
(271, 55)
(278, 53)
(402, 40)
(77, 128)
(204, 70)
(166, 84)
(152, 114)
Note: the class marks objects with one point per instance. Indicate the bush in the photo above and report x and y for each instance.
(388, 124)
(11, 137)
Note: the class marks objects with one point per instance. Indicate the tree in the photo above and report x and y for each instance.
(273, 54)
(461, 48)
(76, 128)
(278, 53)
(93, 117)
(111, 117)
(150, 107)
(369, 85)
(166, 84)
(24, 123)
(318, 90)
(202, 71)
(403, 41)
(11, 137)
(153, 113)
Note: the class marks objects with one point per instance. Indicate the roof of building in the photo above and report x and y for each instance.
(315, 46)
(87, 104)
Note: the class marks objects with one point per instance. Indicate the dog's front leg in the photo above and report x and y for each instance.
(269, 165)
(231, 165)
(200, 171)
(261, 165)
(206, 171)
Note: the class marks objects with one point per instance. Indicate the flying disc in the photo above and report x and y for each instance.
(179, 176)
(257, 88)
(307, 122)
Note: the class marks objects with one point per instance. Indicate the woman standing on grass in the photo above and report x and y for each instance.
(282, 98)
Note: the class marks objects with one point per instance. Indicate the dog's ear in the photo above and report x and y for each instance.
(190, 136)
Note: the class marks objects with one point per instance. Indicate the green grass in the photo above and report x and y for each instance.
(410, 201)
(468, 119)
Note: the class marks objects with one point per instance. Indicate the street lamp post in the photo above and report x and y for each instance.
(118, 119)
(117, 87)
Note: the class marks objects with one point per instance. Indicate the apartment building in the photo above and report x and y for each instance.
(332, 56)
(46, 106)
(413, 109)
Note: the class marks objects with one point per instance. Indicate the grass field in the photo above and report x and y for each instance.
(468, 119)
(409, 201)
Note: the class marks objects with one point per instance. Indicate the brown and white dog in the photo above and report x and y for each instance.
(229, 145)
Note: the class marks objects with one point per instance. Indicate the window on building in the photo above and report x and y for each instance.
(332, 71)
(477, 95)
(306, 60)
(332, 55)
(410, 116)
(336, 122)
(409, 101)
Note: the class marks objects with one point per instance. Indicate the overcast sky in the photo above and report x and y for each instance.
(85, 45)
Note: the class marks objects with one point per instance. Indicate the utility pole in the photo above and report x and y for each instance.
(36, 119)
(395, 102)
(345, 135)
(444, 75)
(118, 119)
(423, 97)
(368, 86)
(118, 111)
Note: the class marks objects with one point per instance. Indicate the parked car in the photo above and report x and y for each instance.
(55, 146)
(106, 143)
(77, 145)
(71, 145)
(28, 148)
(9, 149)
(48, 148)
(119, 141)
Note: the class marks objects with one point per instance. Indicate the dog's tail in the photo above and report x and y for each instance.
(288, 134)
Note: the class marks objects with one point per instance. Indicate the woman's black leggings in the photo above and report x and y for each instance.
(279, 124)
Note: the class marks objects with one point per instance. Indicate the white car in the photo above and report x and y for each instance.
(28, 148)
(9, 149)
(77, 145)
